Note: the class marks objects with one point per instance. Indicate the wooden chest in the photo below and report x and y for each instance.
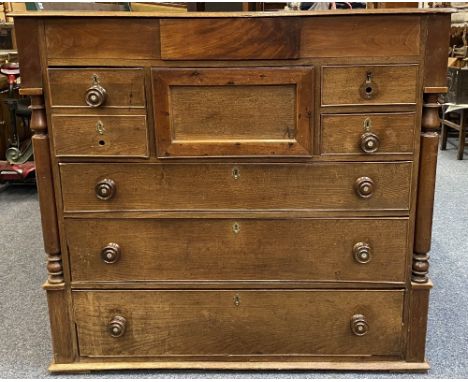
(236, 191)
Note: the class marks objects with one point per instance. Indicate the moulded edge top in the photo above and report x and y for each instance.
(338, 12)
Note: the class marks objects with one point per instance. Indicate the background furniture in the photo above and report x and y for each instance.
(460, 127)
(236, 191)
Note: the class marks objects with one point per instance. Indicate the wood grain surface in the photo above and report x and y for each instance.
(229, 39)
(102, 38)
(361, 36)
(100, 136)
(238, 322)
(341, 133)
(202, 186)
(240, 249)
(233, 112)
(124, 87)
(396, 84)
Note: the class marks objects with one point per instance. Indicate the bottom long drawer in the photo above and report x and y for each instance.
(247, 322)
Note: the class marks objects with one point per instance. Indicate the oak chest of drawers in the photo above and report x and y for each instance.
(238, 191)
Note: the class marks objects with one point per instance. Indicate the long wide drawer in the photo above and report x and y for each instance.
(189, 187)
(251, 322)
(106, 250)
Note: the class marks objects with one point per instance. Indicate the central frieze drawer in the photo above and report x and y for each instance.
(248, 322)
(202, 112)
(185, 187)
(237, 249)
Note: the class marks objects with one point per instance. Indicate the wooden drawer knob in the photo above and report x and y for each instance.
(105, 189)
(359, 325)
(110, 254)
(362, 252)
(369, 142)
(364, 187)
(95, 96)
(117, 326)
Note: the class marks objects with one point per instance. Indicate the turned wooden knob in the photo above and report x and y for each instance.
(362, 252)
(369, 142)
(105, 189)
(95, 96)
(117, 326)
(364, 187)
(110, 254)
(359, 325)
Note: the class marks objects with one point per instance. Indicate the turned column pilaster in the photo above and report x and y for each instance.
(430, 124)
(45, 186)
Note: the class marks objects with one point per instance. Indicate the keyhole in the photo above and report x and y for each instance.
(235, 173)
(236, 228)
(236, 300)
(102, 143)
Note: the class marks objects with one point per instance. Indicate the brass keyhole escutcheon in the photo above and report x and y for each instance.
(236, 228)
(369, 88)
(235, 173)
(100, 128)
(236, 300)
(370, 141)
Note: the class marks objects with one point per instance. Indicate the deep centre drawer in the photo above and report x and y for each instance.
(230, 322)
(195, 187)
(113, 250)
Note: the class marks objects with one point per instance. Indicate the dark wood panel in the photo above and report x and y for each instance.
(238, 322)
(240, 249)
(360, 36)
(323, 186)
(436, 52)
(102, 38)
(233, 112)
(229, 39)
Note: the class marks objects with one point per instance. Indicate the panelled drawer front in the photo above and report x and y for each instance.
(191, 187)
(369, 85)
(178, 323)
(371, 133)
(100, 136)
(123, 88)
(202, 112)
(242, 249)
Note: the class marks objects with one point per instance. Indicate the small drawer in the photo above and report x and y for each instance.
(107, 250)
(239, 323)
(97, 88)
(369, 85)
(100, 136)
(368, 134)
(198, 187)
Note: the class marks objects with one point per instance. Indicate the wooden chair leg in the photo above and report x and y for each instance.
(461, 136)
(444, 133)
